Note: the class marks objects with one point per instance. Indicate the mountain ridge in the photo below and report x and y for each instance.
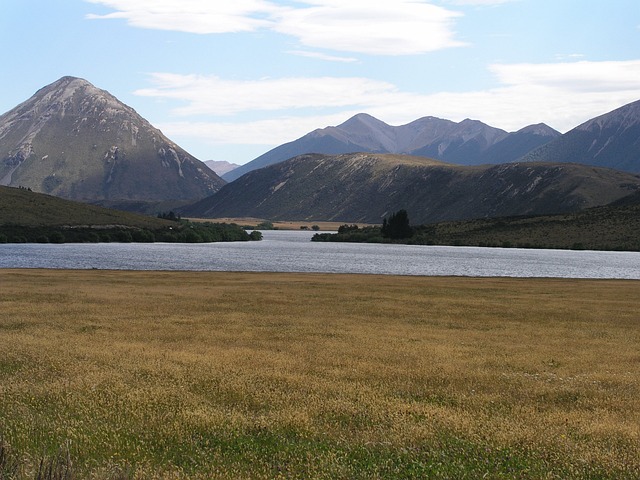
(469, 142)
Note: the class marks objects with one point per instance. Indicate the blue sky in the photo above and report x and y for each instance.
(229, 80)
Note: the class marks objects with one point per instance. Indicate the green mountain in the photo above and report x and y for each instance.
(367, 187)
(76, 141)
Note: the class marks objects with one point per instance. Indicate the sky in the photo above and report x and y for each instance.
(229, 80)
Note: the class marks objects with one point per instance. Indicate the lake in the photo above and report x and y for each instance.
(292, 251)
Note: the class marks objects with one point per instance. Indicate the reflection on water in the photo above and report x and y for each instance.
(287, 251)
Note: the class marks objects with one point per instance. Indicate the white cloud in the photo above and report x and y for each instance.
(562, 95)
(273, 131)
(389, 27)
(193, 16)
(211, 95)
(574, 76)
(481, 3)
(384, 27)
(322, 56)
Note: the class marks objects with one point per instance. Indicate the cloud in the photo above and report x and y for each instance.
(384, 27)
(398, 27)
(192, 16)
(480, 3)
(272, 131)
(581, 76)
(211, 95)
(562, 95)
(322, 56)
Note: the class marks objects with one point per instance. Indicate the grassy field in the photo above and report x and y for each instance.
(239, 375)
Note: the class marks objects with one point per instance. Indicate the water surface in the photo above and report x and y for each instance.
(292, 251)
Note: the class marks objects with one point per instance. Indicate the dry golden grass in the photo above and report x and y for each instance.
(250, 375)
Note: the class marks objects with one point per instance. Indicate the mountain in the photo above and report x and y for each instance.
(469, 142)
(611, 140)
(366, 187)
(220, 167)
(76, 141)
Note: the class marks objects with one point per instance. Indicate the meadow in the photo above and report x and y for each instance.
(107, 375)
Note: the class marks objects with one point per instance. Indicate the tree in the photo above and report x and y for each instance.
(397, 226)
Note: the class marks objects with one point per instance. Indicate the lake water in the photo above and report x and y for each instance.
(292, 251)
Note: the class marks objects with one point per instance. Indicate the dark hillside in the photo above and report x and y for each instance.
(367, 187)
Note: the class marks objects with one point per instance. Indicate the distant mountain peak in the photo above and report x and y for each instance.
(540, 129)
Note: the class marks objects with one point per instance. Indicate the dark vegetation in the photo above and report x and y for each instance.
(612, 227)
(183, 232)
(28, 217)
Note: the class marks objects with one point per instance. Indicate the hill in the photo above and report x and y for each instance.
(19, 206)
(27, 216)
(367, 187)
(610, 227)
(469, 142)
(611, 140)
(76, 141)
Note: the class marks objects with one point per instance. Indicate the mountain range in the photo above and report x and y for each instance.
(366, 187)
(76, 141)
(469, 142)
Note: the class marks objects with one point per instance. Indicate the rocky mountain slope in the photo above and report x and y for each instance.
(367, 187)
(611, 140)
(469, 142)
(76, 141)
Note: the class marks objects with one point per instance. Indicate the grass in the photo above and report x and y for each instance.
(251, 375)
(22, 207)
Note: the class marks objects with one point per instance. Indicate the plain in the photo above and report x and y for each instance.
(251, 375)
